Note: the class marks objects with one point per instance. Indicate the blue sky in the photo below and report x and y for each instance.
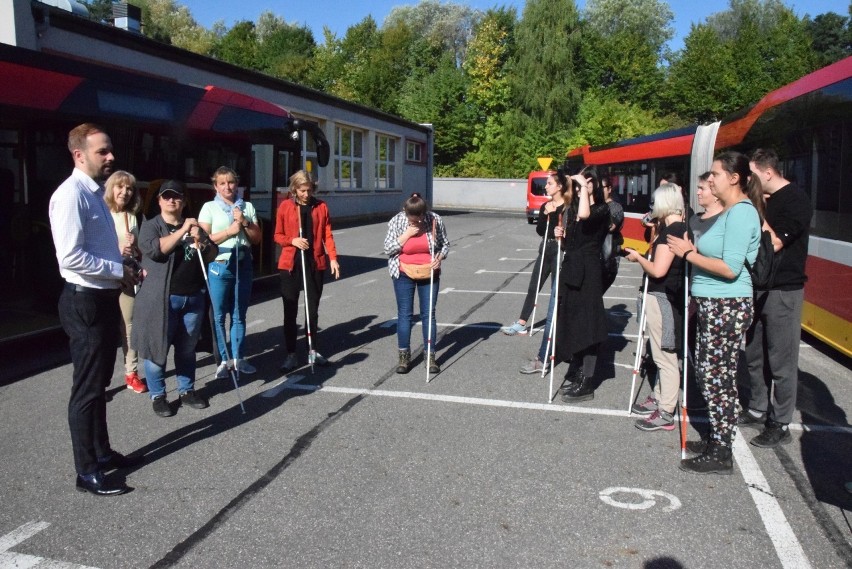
(339, 15)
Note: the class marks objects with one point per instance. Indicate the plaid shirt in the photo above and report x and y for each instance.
(397, 226)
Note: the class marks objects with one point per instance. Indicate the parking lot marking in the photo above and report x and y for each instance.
(480, 271)
(649, 498)
(366, 282)
(513, 259)
(787, 546)
(10, 560)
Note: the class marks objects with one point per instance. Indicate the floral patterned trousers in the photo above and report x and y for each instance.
(722, 322)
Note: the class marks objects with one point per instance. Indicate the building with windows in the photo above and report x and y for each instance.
(173, 114)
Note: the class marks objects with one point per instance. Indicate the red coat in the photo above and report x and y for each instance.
(287, 229)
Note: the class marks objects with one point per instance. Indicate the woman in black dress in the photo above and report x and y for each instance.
(581, 321)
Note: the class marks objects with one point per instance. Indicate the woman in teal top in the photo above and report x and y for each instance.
(722, 288)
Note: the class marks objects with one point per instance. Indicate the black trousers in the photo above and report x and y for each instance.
(547, 261)
(291, 285)
(92, 322)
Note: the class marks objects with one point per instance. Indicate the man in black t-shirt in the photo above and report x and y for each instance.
(772, 343)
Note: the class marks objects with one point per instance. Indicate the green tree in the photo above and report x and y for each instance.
(239, 46)
(448, 26)
(830, 37)
(168, 22)
(701, 77)
(543, 79)
(284, 50)
(440, 99)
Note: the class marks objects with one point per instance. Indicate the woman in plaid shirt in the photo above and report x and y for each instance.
(416, 241)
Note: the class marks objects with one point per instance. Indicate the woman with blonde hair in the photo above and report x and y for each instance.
(232, 225)
(124, 203)
(663, 309)
(303, 230)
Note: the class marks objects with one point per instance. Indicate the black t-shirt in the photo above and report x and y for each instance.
(788, 213)
(307, 222)
(672, 282)
(186, 271)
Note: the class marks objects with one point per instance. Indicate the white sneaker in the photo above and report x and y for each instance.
(244, 367)
(222, 371)
(320, 360)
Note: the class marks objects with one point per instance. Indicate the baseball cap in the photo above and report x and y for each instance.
(171, 186)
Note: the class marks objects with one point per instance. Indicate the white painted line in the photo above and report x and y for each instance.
(366, 282)
(487, 291)
(23, 533)
(519, 250)
(480, 271)
(787, 546)
(633, 298)
(561, 408)
(468, 245)
(513, 259)
(282, 386)
(480, 241)
(10, 560)
(254, 323)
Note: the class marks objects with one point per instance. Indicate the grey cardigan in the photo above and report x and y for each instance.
(151, 308)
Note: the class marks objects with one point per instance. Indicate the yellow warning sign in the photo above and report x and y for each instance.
(544, 162)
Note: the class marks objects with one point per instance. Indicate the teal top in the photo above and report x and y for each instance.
(734, 238)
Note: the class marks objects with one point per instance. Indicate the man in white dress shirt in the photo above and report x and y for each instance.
(91, 264)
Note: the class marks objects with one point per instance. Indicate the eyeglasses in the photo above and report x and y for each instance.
(171, 198)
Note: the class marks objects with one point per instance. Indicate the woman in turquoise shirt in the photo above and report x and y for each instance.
(722, 288)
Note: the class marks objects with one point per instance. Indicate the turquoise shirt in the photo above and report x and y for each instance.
(734, 238)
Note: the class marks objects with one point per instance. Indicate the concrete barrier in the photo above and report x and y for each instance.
(479, 194)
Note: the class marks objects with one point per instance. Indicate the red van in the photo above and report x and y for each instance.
(536, 195)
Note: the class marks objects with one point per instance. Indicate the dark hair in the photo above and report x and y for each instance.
(765, 159)
(561, 179)
(670, 177)
(415, 205)
(736, 163)
(705, 176)
(597, 190)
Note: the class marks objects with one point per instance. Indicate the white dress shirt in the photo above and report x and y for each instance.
(84, 234)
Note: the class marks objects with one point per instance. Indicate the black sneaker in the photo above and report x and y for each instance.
(716, 459)
(192, 399)
(749, 419)
(162, 407)
(773, 434)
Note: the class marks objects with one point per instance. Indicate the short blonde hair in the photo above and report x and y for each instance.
(118, 178)
(225, 171)
(301, 178)
(667, 201)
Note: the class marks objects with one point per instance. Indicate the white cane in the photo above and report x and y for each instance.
(311, 353)
(227, 352)
(538, 280)
(552, 340)
(641, 341)
(431, 302)
(684, 417)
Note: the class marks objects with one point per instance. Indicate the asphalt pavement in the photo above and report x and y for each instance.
(352, 465)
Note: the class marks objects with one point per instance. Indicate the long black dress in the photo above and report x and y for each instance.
(581, 321)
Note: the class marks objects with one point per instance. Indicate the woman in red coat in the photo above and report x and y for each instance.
(303, 224)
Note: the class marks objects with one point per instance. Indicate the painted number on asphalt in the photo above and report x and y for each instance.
(638, 498)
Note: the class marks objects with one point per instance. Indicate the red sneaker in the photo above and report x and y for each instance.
(133, 382)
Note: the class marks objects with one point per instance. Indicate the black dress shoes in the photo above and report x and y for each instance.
(96, 484)
(118, 460)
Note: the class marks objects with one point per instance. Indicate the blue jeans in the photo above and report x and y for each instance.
(227, 300)
(404, 288)
(542, 351)
(185, 316)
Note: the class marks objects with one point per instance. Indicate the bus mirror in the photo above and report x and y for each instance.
(320, 141)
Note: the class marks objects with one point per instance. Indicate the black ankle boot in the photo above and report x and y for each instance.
(584, 391)
(716, 459)
(404, 361)
(573, 379)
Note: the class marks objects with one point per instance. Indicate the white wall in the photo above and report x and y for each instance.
(477, 193)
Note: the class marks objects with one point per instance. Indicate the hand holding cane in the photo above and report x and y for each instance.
(227, 353)
(538, 280)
